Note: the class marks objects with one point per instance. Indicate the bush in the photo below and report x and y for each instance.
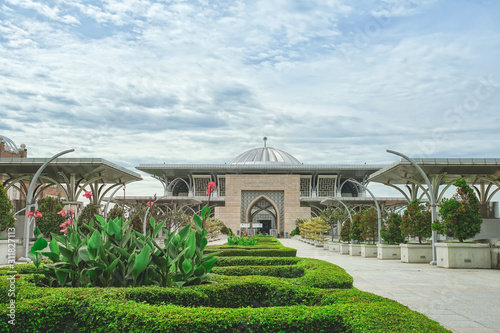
(391, 232)
(460, 215)
(50, 221)
(416, 221)
(7, 219)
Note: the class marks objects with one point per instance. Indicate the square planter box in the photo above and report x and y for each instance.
(416, 253)
(354, 249)
(388, 251)
(335, 247)
(344, 248)
(369, 250)
(326, 245)
(463, 255)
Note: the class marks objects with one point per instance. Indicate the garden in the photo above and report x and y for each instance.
(251, 288)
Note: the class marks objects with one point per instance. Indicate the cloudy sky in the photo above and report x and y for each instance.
(143, 81)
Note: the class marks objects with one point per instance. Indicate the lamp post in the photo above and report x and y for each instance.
(379, 214)
(29, 199)
(430, 194)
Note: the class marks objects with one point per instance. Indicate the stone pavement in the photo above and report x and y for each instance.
(462, 300)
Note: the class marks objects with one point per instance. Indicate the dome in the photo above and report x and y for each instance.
(265, 155)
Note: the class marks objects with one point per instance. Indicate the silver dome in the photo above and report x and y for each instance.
(264, 155)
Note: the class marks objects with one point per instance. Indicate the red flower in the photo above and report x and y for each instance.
(28, 214)
(150, 203)
(88, 194)
(62, 213)
(38, 214)
(211, 187)
(65, 225)
(17, 276)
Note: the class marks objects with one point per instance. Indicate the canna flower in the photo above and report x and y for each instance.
(17, 276)
(152, 201)
(38, 214)
(211, 187)
(62, 213)
(29, 214)
(88, 194)
(65, 225)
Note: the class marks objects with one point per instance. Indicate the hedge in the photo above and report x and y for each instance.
(250, 293)
(101, 313)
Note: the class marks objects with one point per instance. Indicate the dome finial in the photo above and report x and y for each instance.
(265, 139)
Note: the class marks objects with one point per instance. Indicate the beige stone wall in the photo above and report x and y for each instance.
(235, 184)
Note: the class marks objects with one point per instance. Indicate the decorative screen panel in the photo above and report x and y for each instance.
(221, 186)
(201, 185)
(305, 186)
(326, 186)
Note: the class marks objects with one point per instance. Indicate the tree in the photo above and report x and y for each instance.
(333, 216)
(416, 221)
(115, 212)
(369, 221)
(50, 220)
(460, 215)
(356, 233)
(345, 231)
(7, 219)
(391, 231)
(86, 216)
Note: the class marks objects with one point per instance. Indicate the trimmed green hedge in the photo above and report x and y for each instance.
(98, 311)
(250, 294)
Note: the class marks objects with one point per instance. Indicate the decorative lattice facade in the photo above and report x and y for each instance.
(201, 185)
(326, 186)
(305, 186)
(221, 186)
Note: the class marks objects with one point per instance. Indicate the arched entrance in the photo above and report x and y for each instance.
(263, 213)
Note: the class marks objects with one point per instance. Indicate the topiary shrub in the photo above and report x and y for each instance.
(50, 220)
(460, 215)
(391, 232)
(416, 221)
(87, 217)
(7, 219)
(356, 232)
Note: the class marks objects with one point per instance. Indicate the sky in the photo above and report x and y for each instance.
(330, 82)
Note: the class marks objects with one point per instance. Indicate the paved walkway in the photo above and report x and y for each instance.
(462, 300)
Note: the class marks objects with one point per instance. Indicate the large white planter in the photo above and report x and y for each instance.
(368, 250)
(416, 253)
(344, 248)
(388, 252)
(335, 247)
(8, 250)
(354, 249)
(463, 255)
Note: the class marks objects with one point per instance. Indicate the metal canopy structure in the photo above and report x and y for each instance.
(483, 174)
(177, 170)
(70, 175)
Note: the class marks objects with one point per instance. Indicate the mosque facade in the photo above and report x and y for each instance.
(263, 189)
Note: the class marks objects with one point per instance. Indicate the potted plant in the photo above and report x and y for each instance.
(461, 219)
(416, 222)
(356, 234)
(391, 233)
(369, 221)
(345, 237)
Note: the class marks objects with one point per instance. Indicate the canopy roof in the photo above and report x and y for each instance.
(83, 167)
(179, 170)
(472, 169)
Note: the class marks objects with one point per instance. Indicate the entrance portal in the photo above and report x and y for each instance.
(266, 226)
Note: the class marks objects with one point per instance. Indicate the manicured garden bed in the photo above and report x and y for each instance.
(249, 294)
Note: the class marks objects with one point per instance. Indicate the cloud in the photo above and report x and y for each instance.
(141, 81)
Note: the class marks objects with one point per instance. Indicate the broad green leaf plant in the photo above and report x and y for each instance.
(111, 254)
